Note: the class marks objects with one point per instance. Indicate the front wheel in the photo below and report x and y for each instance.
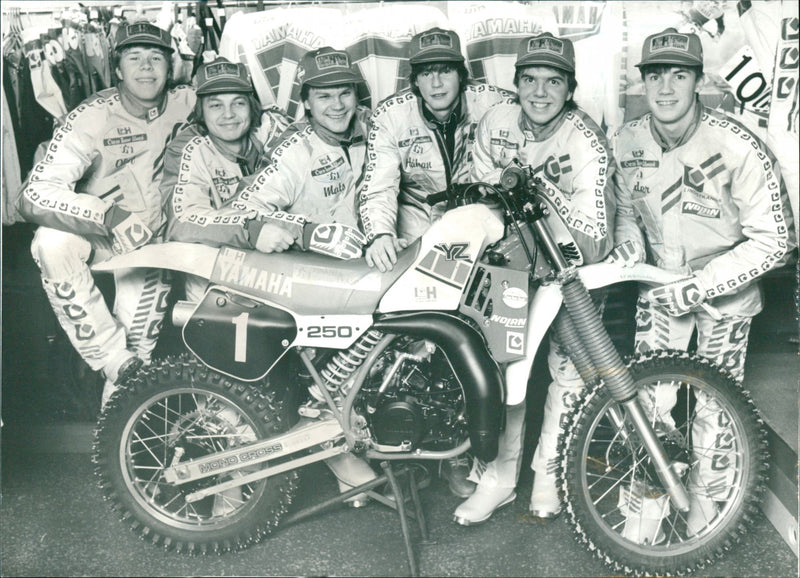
(710, 430)
(179, 410)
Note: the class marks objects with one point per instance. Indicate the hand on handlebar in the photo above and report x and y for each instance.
(678, 297)
(382, 253)
(627, 254)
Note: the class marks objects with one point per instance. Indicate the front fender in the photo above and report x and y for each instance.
(605, 274)
(547, 301)
(187, 257)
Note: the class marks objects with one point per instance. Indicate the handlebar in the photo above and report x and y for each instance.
(514, 179)
(436, 198)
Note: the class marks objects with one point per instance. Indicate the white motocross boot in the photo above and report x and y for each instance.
(702, 511)
(118, 371)
(498, 480)
(643, 514)
(545, 502)
(351, 471)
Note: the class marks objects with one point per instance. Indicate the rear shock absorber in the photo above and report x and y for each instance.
(344, 363)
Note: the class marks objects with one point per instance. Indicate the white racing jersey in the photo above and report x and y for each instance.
(715, 206)
(574, 157)
(102, 156)
(311, 178)
(201, 181)
(405, 163)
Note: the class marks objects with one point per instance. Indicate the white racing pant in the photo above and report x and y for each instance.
(725, 343)
(562, 394)
(98, 336)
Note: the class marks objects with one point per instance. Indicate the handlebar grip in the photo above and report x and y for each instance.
(435, 198)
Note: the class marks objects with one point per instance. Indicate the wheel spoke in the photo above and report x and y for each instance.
(705, 423)
(207, 424)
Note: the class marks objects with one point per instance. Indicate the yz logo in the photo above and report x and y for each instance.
(454, 251)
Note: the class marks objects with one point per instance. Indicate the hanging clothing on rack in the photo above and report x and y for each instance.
(11, 91)
(95, 45)
(54, 54)
(37, 121)
(11, 185)
(211, 31)
(12, 63)
(76, 63)
(45, 89)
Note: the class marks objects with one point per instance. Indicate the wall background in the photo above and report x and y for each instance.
(750, 49)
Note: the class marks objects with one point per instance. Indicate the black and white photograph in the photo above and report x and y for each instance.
(400, 288)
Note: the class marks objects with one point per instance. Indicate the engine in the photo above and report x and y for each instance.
(412, 399)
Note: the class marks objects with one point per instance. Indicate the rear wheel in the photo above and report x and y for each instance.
(615, 501)
(179, 410)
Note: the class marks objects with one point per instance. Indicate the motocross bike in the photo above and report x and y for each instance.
(201, 452)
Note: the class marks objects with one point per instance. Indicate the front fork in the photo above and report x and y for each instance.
(586, 340)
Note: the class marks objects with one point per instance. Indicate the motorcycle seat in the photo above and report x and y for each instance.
(308, 283)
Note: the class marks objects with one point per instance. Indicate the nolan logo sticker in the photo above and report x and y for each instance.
(692, 208)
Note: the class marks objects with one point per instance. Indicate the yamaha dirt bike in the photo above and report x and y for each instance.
(201, 452)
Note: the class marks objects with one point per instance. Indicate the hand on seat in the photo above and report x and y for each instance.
(382, 253)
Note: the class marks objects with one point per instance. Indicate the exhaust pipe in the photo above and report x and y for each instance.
(472, 363)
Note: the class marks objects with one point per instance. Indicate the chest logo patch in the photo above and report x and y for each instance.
(327, 168)
(692, 208)
(695, 177)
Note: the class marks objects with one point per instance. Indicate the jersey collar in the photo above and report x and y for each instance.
(690, 130)
(540, 133)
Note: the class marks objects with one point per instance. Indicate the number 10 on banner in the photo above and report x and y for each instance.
(747, 81)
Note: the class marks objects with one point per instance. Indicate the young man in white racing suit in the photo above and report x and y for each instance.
(697, 194)
(306, 197)
(207, 160)
(420, 142)
(95, 194)
(568, 151)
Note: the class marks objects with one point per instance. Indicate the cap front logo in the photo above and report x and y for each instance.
(222, 69)
(332, 60)
(141, 28)
(434, 39)
(670, 42)
(549, 44)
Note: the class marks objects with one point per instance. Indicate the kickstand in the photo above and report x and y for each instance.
(398, 504)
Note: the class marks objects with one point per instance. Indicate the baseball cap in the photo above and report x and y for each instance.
(220, 76)
(142, 33)
(435, 45)
(672, 47)
(546, 50)
(327, 67)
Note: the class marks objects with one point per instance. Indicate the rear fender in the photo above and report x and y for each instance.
(187, 257)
